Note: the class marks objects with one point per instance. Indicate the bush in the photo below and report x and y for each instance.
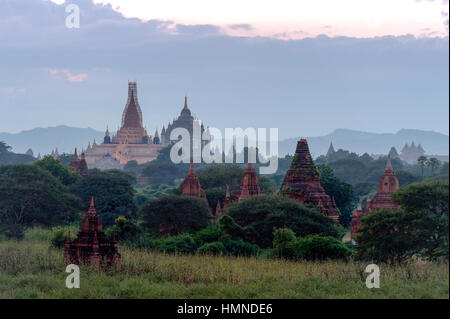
(240, 248)
(282, 237)
(123, 229)
(207, 235)
(173, 215)
(214, 248)
(59, 236)
(181, 244)
(315, 247)
(255, 219)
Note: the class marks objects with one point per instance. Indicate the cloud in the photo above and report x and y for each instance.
(12, 90)
(58, 74)
(242, 26)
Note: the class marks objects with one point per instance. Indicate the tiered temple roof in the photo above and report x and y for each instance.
(91, 245)
(191, 184)
(249, 186)
(302, 182)
(387, 185)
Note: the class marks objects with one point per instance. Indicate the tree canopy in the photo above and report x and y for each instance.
(254, 219)
(173, 215)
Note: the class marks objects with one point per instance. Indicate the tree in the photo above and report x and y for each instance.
(173, 215)
(113, 193)
(31, 195)
(384, 236)
(419, 228)
(254, 219)
(4, 148)
(433, 163)
(57, 169)
(421, 161)
(343, 193)
(426, 207)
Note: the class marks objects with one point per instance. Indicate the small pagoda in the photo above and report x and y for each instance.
(302, 182)
(91, 246)
(249, 186)
(386, 186)
(191, 184)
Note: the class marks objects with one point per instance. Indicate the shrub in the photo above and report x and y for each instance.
(181, 244)
(173, 215)
(240, 248)
(214, 248)
(315, 247)
(207, 235)
(59, 236)
(123, 229)
(282, 237)
(255, 219)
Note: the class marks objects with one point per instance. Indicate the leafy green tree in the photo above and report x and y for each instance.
(113, 193)
(433, 164)
(282, 237)
(255, 219)
(343, 193)
(425, 207)
(173, 215)
(384, 236)
(57, 169)
(31, 195)
(422, 161)
(123, 229)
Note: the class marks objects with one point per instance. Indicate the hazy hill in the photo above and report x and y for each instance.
(44, 140)
(65, 138)
(361, 142)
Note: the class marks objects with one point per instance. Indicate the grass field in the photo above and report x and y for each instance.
(30, 269)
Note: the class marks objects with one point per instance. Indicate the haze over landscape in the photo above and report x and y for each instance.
(306, 85)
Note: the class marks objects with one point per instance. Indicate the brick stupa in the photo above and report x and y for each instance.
(302, 182)
(249, 186)
(387, 185)
(91, 245)
(191, 184)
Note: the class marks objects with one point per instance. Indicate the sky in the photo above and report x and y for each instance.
(306, 67)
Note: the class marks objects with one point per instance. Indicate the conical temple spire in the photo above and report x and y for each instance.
(156, 133)
(388, 164)
(185, 104)
(75, 154)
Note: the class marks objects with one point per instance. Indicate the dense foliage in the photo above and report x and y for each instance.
(255, 219)
(419, 228)
(31, 195)
(173, 215)
(113, 193)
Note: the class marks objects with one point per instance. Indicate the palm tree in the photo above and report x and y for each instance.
(422, 160)
(434, 164)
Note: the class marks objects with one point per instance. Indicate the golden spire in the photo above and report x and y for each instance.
(107, 131)
(145, 132)
(156, 133)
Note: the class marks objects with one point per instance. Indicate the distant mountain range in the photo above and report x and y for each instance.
(372, 143)
(65, 138)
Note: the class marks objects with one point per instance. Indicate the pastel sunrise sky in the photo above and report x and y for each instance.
(296, 19)
(305, 67)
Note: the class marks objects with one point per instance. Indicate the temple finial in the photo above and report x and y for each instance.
(156, 133)
(92, 203)
(185, 103)
(76, 153)
(388, 164)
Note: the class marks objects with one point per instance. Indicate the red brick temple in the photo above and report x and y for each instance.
(386, 186)
(91, 245)
(191, 184)
(79, 164)
(249, 186)
(302, 182)
(219, 210)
